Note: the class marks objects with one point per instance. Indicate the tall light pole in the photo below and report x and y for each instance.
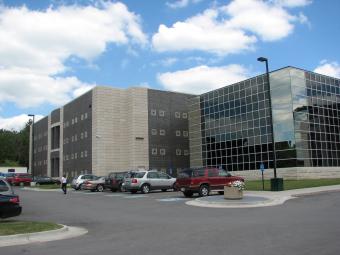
(274, 183)
(32, 157)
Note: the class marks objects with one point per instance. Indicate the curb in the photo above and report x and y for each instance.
(65, 232)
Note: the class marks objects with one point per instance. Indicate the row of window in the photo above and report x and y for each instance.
(162, 132)
(40, 149)
(82, 154)
(162, 152)
(74, 138)
(40, 163)
(75, 120)
(39, 136)
(161, 113)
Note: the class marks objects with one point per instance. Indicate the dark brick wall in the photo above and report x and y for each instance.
(77, 135)
(40, 147)
(169, 103)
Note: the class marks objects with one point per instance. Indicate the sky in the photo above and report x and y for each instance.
(53, 51)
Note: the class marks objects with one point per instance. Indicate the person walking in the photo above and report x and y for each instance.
(64, 184)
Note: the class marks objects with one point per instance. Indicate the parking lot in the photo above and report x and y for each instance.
(161, 223)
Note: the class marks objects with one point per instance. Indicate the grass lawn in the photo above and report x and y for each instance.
(13, 227)
(48, 186)
(292, 184)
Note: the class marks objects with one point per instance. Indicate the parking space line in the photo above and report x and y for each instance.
(172, 199)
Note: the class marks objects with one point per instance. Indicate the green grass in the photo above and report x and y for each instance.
(11, 227)
(48, 186)
(292, 184)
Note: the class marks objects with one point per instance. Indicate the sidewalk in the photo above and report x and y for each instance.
(65, 232)
(253, 199)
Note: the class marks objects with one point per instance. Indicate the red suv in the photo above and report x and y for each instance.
(203, 180)
(21, 179)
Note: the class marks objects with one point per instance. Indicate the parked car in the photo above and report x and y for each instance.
(204, 180)
(9, 202)
(96, 184)
(21, 179)
(77, 182)
(41, 180)
(145, 181)
(115, 181)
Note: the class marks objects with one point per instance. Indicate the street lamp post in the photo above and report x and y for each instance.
(32, 157)
(276, 183)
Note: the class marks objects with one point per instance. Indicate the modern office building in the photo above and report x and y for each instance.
(109, 129)
(231, 127)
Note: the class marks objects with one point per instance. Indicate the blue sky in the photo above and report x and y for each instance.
(53, 51)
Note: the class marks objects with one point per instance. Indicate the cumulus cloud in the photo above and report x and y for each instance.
(293, 3)
(17, 122)
(232, 28)
(35, 44)
(328, 68)
(202, 78)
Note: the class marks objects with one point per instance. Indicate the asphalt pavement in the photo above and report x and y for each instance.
(162, 223)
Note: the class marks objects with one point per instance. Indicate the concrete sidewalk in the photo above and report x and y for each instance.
(253, 199)
(65, 232)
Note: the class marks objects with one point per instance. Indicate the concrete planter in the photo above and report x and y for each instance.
(232, 193)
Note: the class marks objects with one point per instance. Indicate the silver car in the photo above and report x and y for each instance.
(145, 181)
(78, 182)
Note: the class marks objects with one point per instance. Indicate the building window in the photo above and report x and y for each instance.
(185, 133)
(76, 120)
(162, 131)
(177, 115)
(186, 152)
(82, 117)
(184, 115)
(153, 112)
(72, 122)
(178, 133)
(85, 154)
(75, 137)
(76, 155)
(153, 131)
(72, 156)
(162, 152)
(72, 139)
(178, 152)
(161, 113)
(154, 151)
(82, 135)
(85, 115)
(81, 154)
(85, 134)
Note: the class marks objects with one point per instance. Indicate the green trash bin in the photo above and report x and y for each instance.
(276, 184)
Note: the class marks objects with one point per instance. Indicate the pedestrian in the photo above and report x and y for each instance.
(64, 184)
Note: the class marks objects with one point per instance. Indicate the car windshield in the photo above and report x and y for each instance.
(23, 176)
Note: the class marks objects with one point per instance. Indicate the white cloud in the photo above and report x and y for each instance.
(328, 68)
(28, 89)
(181, 3)
(17, 122)
(36, 44)
(202, 32)
(202, 78)
(232, 28)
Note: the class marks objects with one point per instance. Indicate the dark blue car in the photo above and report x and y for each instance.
(9, 202)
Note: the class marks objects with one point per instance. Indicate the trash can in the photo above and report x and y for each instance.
(276, 184)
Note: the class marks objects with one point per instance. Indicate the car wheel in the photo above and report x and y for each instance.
(100, 188)
(221, 192)
(113, 190)
(80, 187)
(133, 191)
(204, 191)
(145, 188)
(164, 190)
(174, 187)
(93, 190)
(188, 193)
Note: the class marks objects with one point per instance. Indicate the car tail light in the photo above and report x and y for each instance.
(14, 200)
(134, 180)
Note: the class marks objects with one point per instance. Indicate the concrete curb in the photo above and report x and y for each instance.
(274, 198)
(65, 232)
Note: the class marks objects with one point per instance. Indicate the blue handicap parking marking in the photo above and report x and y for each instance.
(172, 199)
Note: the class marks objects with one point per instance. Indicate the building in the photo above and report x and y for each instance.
(230, 127)
(109, 129)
